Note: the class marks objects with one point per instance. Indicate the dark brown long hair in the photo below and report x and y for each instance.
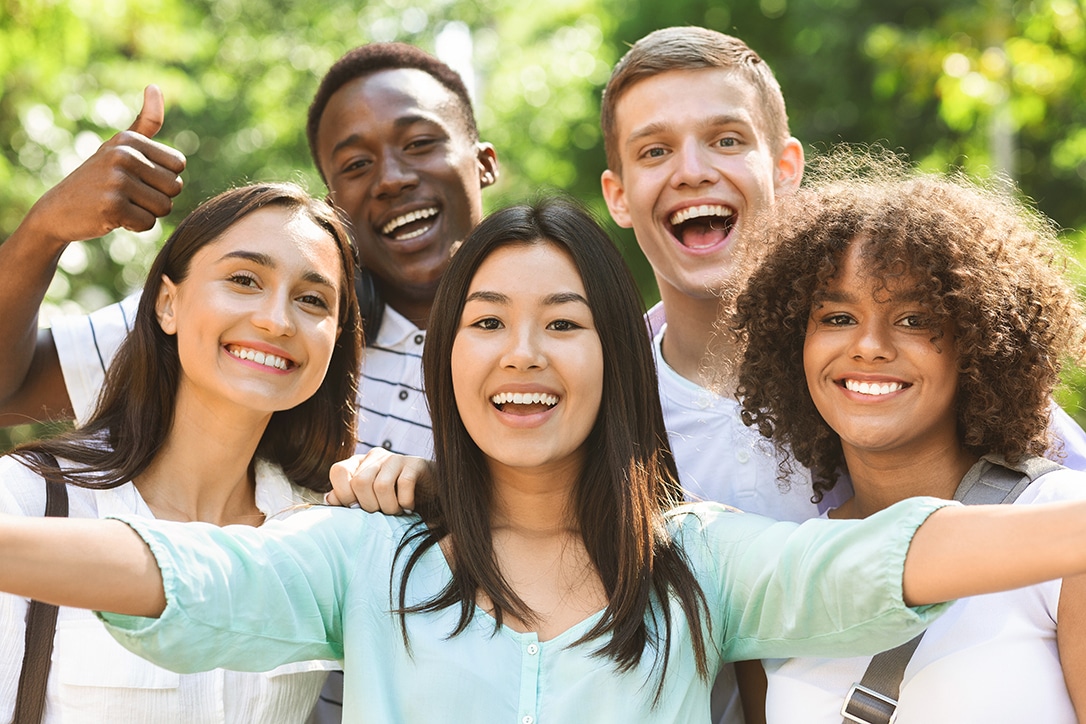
(136, 405)
(629, 479)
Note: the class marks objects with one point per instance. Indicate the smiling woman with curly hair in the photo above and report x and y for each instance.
(907, 330)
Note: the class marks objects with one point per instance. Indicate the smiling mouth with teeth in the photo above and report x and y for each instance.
(261, 358)
(873, 388)
(534, 399)
(408, 226)
(701, 227)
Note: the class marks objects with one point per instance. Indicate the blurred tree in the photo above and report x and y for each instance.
(988, 85)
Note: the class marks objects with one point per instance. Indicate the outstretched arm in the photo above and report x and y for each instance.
(129, 182)
(971, 550)
(97, 564)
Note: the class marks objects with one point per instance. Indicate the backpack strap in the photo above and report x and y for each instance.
(41, 624)
(991, 481)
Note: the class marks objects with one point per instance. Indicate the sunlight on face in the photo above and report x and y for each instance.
(527, 364)
(256, 318)
(879, 373)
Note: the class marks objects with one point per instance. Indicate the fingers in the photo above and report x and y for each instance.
(149, 120)
(379, 481)
(340, 477)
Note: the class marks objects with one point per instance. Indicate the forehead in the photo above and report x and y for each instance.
(687, 98)
(374, 103)
(862, 269)
(286, 237)
(535, 269)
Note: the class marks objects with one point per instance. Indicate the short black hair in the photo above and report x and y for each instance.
(373, 57)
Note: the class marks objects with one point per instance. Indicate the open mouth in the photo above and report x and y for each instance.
(875, 389)
(524, 403)
(410, 225)
(702, 227)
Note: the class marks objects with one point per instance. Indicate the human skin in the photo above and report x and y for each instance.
(392, 146)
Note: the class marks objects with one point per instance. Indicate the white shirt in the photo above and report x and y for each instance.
(392, 408)
(989, 659)
(93, 679)
(721, 459)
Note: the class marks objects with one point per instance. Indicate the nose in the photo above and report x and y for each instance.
(395, 176)
(694, 167)
(873, 342)
(523, 350)
(275, 314)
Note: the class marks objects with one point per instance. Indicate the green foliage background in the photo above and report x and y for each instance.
(988, 85)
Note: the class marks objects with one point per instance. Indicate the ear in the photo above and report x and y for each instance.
(487, 159)
(789, 171)
(164, 306)
(615, 195)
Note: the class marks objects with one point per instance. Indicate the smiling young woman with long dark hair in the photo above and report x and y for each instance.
(228, 403)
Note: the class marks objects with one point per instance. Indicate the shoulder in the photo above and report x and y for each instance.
(715, 524)
(277, 496)
(22, 491)
(1061, 484)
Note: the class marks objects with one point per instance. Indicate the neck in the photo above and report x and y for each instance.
(692, 346)
(414, 308)
(881, 479)
(203, 471)
(534, 502)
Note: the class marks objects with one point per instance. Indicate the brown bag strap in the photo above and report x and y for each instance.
(41, 625)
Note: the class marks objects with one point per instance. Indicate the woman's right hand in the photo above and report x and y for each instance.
(378, 481)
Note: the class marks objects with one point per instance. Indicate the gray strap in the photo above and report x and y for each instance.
(874, 699)
(991, 481)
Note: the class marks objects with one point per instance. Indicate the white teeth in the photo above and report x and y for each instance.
(524, 398)
(873, 388)
(694, 212)
(407, 218)
(261, 358)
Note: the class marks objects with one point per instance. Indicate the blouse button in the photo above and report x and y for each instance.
(743, 456)
(527, 719)
(419, 339)
(403, 394)
(387, 444)
(533, 649)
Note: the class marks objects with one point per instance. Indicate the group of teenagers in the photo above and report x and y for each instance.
(574, 511)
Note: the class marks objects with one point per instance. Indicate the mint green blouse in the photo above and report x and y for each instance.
(317, 585)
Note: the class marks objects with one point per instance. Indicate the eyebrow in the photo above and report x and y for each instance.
(652, 129)
(399, 124)
(840, 297)
(265, 260)
(549, 300)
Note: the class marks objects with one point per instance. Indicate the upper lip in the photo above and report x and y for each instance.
(395, 218)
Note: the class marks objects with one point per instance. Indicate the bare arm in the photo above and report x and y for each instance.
(129, 182)
(96, 564)
(967, 551)
(1071, 639)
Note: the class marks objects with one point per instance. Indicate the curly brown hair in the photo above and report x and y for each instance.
(979, 258)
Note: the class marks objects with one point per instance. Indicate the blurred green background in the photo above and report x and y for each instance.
(988, 86)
